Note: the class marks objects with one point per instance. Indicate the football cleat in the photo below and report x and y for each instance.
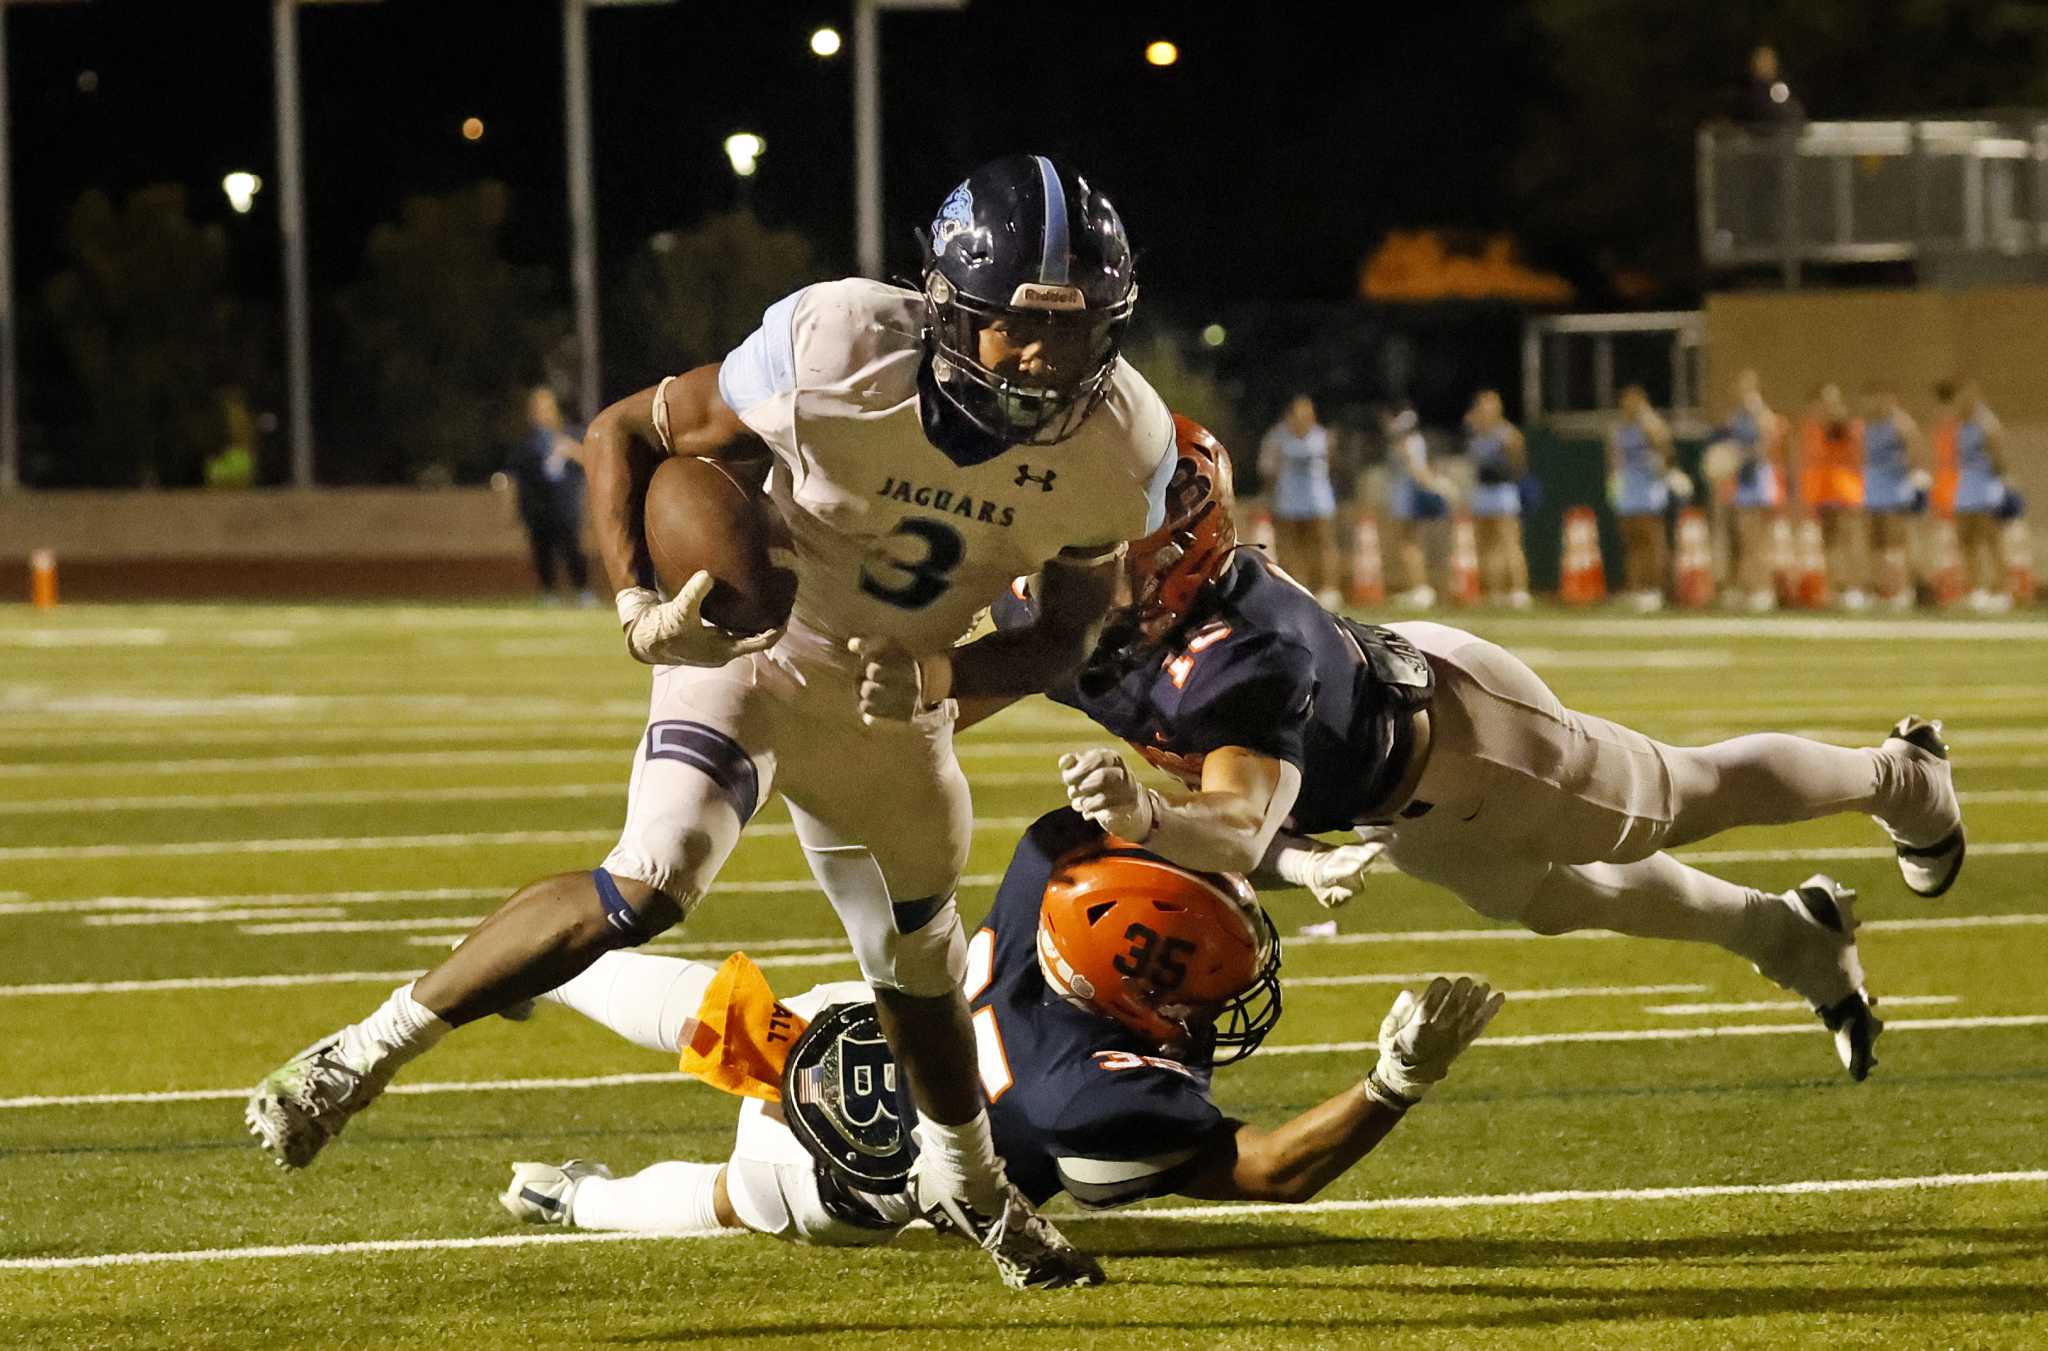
(540, 1193)
(1819, 962)
(1856, 1027)
(305, 1102)
(1931, 858)
(1029, 1252)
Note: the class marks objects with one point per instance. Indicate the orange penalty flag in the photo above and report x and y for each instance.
(742, 1034)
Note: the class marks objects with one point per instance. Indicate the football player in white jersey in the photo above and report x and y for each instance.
(924, 449)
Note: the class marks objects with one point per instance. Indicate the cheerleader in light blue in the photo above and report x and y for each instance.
(1640, 479)
(1895, 489)
(1500, 461)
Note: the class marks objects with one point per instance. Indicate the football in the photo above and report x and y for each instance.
(703, 515)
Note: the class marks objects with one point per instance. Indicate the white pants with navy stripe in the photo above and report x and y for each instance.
(882, 812)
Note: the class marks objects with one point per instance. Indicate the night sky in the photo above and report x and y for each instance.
(1262, 166)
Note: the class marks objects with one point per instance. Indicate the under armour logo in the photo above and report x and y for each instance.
(1044, 481)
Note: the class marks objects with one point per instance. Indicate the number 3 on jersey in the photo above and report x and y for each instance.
(914, 583)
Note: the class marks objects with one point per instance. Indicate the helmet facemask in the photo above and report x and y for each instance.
(1079, 344)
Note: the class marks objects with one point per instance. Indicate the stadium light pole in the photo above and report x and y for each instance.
(582, 197)
(867, 123)
(10, 391)
(291, 224)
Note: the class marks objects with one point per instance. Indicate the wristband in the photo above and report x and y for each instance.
(1376, 1089)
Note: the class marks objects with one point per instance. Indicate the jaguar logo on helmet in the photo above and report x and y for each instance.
(1028, 249)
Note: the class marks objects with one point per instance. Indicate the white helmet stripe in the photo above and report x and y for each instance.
(1055, 245)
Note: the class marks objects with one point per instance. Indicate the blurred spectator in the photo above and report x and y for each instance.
(548, 469)
(1757, 436)
(1638, 466)
(1499, 463)
(1767, 98)
(1416, 496)
(1830, 474)
(1984, 501)
(234, 464)
(1895, 483)
(1294, 460)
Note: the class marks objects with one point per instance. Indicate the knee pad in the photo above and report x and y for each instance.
(930, 959)
(785, 1200)
(913, 946)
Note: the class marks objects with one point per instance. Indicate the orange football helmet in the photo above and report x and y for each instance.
(1169, 566)
(1181, 958)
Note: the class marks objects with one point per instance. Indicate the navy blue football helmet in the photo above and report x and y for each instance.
(1026, 248)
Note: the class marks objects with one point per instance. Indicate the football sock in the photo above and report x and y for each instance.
(401, 1029)
(959, 1160)
(1770, 778)
(1656, 898)
(650, 1001)
(665, 1196)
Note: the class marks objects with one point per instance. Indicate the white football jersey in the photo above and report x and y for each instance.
(893, 539)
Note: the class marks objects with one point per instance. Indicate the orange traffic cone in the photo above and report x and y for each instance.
(1946, 579)
(42, 579)
(1259, 530)
(1582, 577)
(1464, 561)
(1810, 583)
(2019, 563)
(1694, 560)
(1368, 584)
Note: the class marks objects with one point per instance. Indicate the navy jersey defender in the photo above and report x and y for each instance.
(1078, 1102)
(1526, 809)
(1105, 985)
(1257, 663)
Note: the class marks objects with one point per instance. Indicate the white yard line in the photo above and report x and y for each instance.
(153, 918)
(322, 844)
(278, 898)
(79, 987)
(227, 1094)
(1298, 1048)
(451, 923)
(1518, 996)
(1675, 1033)
(1483, 1201)
(511, 733)
(1772, 628)
(1698, 856)
(1884, 1003)
(239, 764)
(1552, 1198)
(621, 755)
(17, 903)
(336, 797)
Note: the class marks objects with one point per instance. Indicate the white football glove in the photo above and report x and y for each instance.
(896, 686)
(672, 633)
(1336, 876)
(1679, 484)
(1421, 1037)
(1100, 787)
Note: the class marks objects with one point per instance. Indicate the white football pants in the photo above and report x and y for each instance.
(1557, 819)
(882, 812)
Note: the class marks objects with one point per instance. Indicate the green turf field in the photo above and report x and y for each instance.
(225, 831)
